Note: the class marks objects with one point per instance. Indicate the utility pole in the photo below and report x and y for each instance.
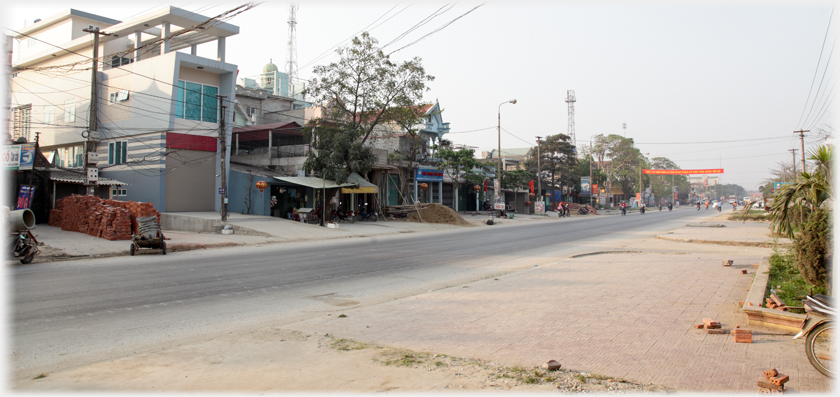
(591, 190)
(223, 143)
(570, 99)
(92, 135)
(539, 171)
(802, 140)
(793, 152)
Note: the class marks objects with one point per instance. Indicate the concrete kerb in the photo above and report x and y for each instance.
(763, 316)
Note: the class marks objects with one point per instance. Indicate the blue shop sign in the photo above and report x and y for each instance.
(429, 175)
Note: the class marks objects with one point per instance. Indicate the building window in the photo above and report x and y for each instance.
(69, 111)
(117, 192)
(117, 61)
(195, 101)
(70, 157)
(21, 119)
(118, 96)
(49, 114)
(117, 152)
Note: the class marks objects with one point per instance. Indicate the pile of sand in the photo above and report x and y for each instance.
(438, 213)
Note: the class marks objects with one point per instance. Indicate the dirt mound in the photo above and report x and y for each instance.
(438, 213)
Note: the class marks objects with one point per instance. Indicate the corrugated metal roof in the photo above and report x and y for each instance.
(75, 177)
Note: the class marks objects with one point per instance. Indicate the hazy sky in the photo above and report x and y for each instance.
(707, 85)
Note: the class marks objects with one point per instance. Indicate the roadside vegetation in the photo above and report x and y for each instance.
(496, 376)
(752, 215)
(786, 281)
(802, 211)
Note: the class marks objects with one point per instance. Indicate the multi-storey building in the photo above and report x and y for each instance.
(159, 106)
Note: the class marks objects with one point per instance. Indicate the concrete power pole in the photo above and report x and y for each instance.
(793, 152)
(91, 172)
(539, 171)
(223, 144)
(802, 140)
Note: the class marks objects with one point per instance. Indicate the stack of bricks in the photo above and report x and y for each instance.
(773, 382)
(109, 219)
(712, 327)
(742, 335)
(773, 302)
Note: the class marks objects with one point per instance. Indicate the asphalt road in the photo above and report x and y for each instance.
(68, 314)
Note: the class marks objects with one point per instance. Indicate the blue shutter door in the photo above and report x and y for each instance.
(124, 150)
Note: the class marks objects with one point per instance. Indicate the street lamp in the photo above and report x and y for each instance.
(499, 132)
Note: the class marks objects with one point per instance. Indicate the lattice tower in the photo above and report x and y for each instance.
(291, 63)
(570, 99)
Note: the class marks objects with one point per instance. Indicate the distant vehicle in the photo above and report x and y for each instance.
(758, 205)
(731, 201)
(747, 199)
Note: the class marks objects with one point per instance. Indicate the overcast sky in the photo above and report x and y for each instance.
(705, 84)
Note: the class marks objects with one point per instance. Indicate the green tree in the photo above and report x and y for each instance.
(613, 154)
(460, 164)
(363, 95)
(557, 163)
(516, 179)
(661, 185)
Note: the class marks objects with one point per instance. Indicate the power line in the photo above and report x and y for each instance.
(817, 68)
(438, 29)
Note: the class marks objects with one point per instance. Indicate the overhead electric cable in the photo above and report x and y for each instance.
(817, 68)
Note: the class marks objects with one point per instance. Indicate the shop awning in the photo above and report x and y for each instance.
(361, 185)
(311, 181)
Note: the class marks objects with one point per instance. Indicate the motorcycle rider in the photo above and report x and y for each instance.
(623, 208)
(698, 205)
(670, 206)
(642, 208)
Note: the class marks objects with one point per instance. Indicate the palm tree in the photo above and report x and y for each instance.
(811, 190)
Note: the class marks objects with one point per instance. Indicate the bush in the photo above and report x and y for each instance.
(813, 249)
(786, 279)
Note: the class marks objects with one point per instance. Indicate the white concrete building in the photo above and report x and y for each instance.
(158, 102)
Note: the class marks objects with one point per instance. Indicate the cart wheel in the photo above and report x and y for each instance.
(131, 250)
(28, 256)
(163, 247)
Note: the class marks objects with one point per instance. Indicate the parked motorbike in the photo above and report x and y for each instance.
(363, 215)
(818, 330)
(583, 211)
(344, 216)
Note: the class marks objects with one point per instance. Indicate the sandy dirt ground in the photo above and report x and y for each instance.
(280, 360)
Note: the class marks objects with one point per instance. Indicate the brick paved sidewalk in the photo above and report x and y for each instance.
(627, 315)
(726, 232)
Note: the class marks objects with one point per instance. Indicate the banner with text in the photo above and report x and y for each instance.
(683, 172)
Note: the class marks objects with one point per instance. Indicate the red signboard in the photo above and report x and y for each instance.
(684, 172)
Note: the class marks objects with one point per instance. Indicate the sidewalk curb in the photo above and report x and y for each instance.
(605, 252)
(763, 316)
(733, 243)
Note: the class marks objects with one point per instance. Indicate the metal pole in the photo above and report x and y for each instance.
(802, 141)
(499, 137)
(591, 191)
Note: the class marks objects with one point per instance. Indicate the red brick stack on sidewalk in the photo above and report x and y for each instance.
(109, 219)
(773, 382)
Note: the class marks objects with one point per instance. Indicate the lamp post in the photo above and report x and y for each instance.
(499, 133)
(539, 171)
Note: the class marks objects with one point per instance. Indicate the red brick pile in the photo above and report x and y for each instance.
(773, 302)
(773, 382)
(109, 219)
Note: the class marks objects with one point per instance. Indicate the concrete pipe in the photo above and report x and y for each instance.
(20, 220)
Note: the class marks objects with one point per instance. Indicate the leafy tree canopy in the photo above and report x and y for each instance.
(364, 94)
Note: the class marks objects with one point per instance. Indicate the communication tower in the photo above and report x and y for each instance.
(291, 63)
(570, 99)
